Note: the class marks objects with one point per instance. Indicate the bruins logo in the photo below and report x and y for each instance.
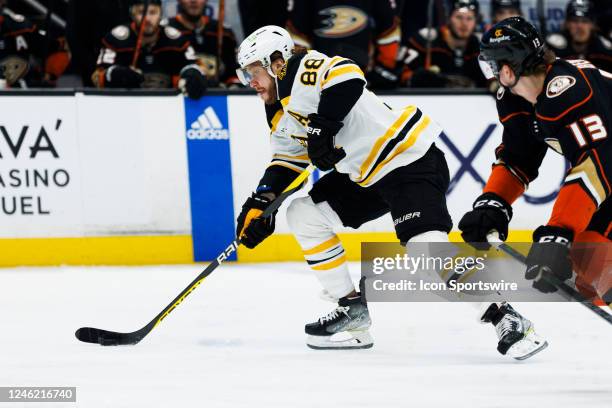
(341, 21)
(282, 73)
(301, 140)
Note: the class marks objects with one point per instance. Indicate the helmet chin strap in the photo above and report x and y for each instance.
(273, 75)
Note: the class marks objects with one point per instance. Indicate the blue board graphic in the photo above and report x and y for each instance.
(210, 176)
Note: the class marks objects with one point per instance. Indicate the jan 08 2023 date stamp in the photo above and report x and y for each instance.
(37, 394)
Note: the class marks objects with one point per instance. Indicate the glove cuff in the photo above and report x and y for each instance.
(557, 235)
(324, 126)
(257, 201)
(492, 200)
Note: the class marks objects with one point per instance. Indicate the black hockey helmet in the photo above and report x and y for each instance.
(502, 4)
(513, 41)
(471, 5)
(580, 8)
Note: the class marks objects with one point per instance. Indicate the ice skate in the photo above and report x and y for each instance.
(516, 334)
(345, 327)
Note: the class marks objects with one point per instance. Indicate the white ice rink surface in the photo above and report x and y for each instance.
(238, 341)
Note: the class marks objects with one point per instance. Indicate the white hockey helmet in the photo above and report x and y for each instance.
(259, 47)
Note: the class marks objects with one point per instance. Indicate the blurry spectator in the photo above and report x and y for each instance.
(366, 31)
(29, 56)
(165, 58)
(603, 11)
(413, 16)
(503, 9)
(446, 56)
(580, 39)
(258, 13)
(202, 32)
(88, 22)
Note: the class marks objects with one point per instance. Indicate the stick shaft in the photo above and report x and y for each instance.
(565, 290)
(105, 337)
(140, 34)
(430, 8)
(220, 22)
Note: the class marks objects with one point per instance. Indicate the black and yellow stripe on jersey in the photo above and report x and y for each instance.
(393, 142)
(340, 69)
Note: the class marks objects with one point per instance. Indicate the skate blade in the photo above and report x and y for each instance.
(341, 341)
(529, 346)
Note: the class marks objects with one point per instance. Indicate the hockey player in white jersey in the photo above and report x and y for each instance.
(381, 160)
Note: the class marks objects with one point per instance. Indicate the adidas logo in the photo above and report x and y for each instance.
(207, 126)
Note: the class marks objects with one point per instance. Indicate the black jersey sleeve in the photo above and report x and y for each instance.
(521, 151)
(337, 101)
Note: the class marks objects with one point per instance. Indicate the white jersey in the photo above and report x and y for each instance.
(376, 138)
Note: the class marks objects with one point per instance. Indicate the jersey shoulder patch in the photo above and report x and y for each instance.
(428, 34)
(172, 33)
(566, 89)
(557, 41)
(121, 32)
(559, 84)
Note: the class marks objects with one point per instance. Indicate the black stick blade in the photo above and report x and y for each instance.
(105, 338)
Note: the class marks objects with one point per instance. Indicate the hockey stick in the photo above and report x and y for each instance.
(565, 290)
(220, 32)
(111, 338)
(541, 12)
(140, 34)
(430, 7)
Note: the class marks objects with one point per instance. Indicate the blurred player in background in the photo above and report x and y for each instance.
(547, 102)
(29, 56)
(365, 31)
(446, 56)
(202, 32)
(165, 59)
(503, 9)
(387, 163)
(580, 38)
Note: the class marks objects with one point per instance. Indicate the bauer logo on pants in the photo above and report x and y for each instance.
(210, 176)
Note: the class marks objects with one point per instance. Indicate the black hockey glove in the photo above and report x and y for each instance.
(321, 148)
(490, 212)
(549, 254)
(382, 77)
(118, 76)
(193, 82)
(251, 228)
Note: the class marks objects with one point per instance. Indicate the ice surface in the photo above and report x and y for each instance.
(238, 341)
